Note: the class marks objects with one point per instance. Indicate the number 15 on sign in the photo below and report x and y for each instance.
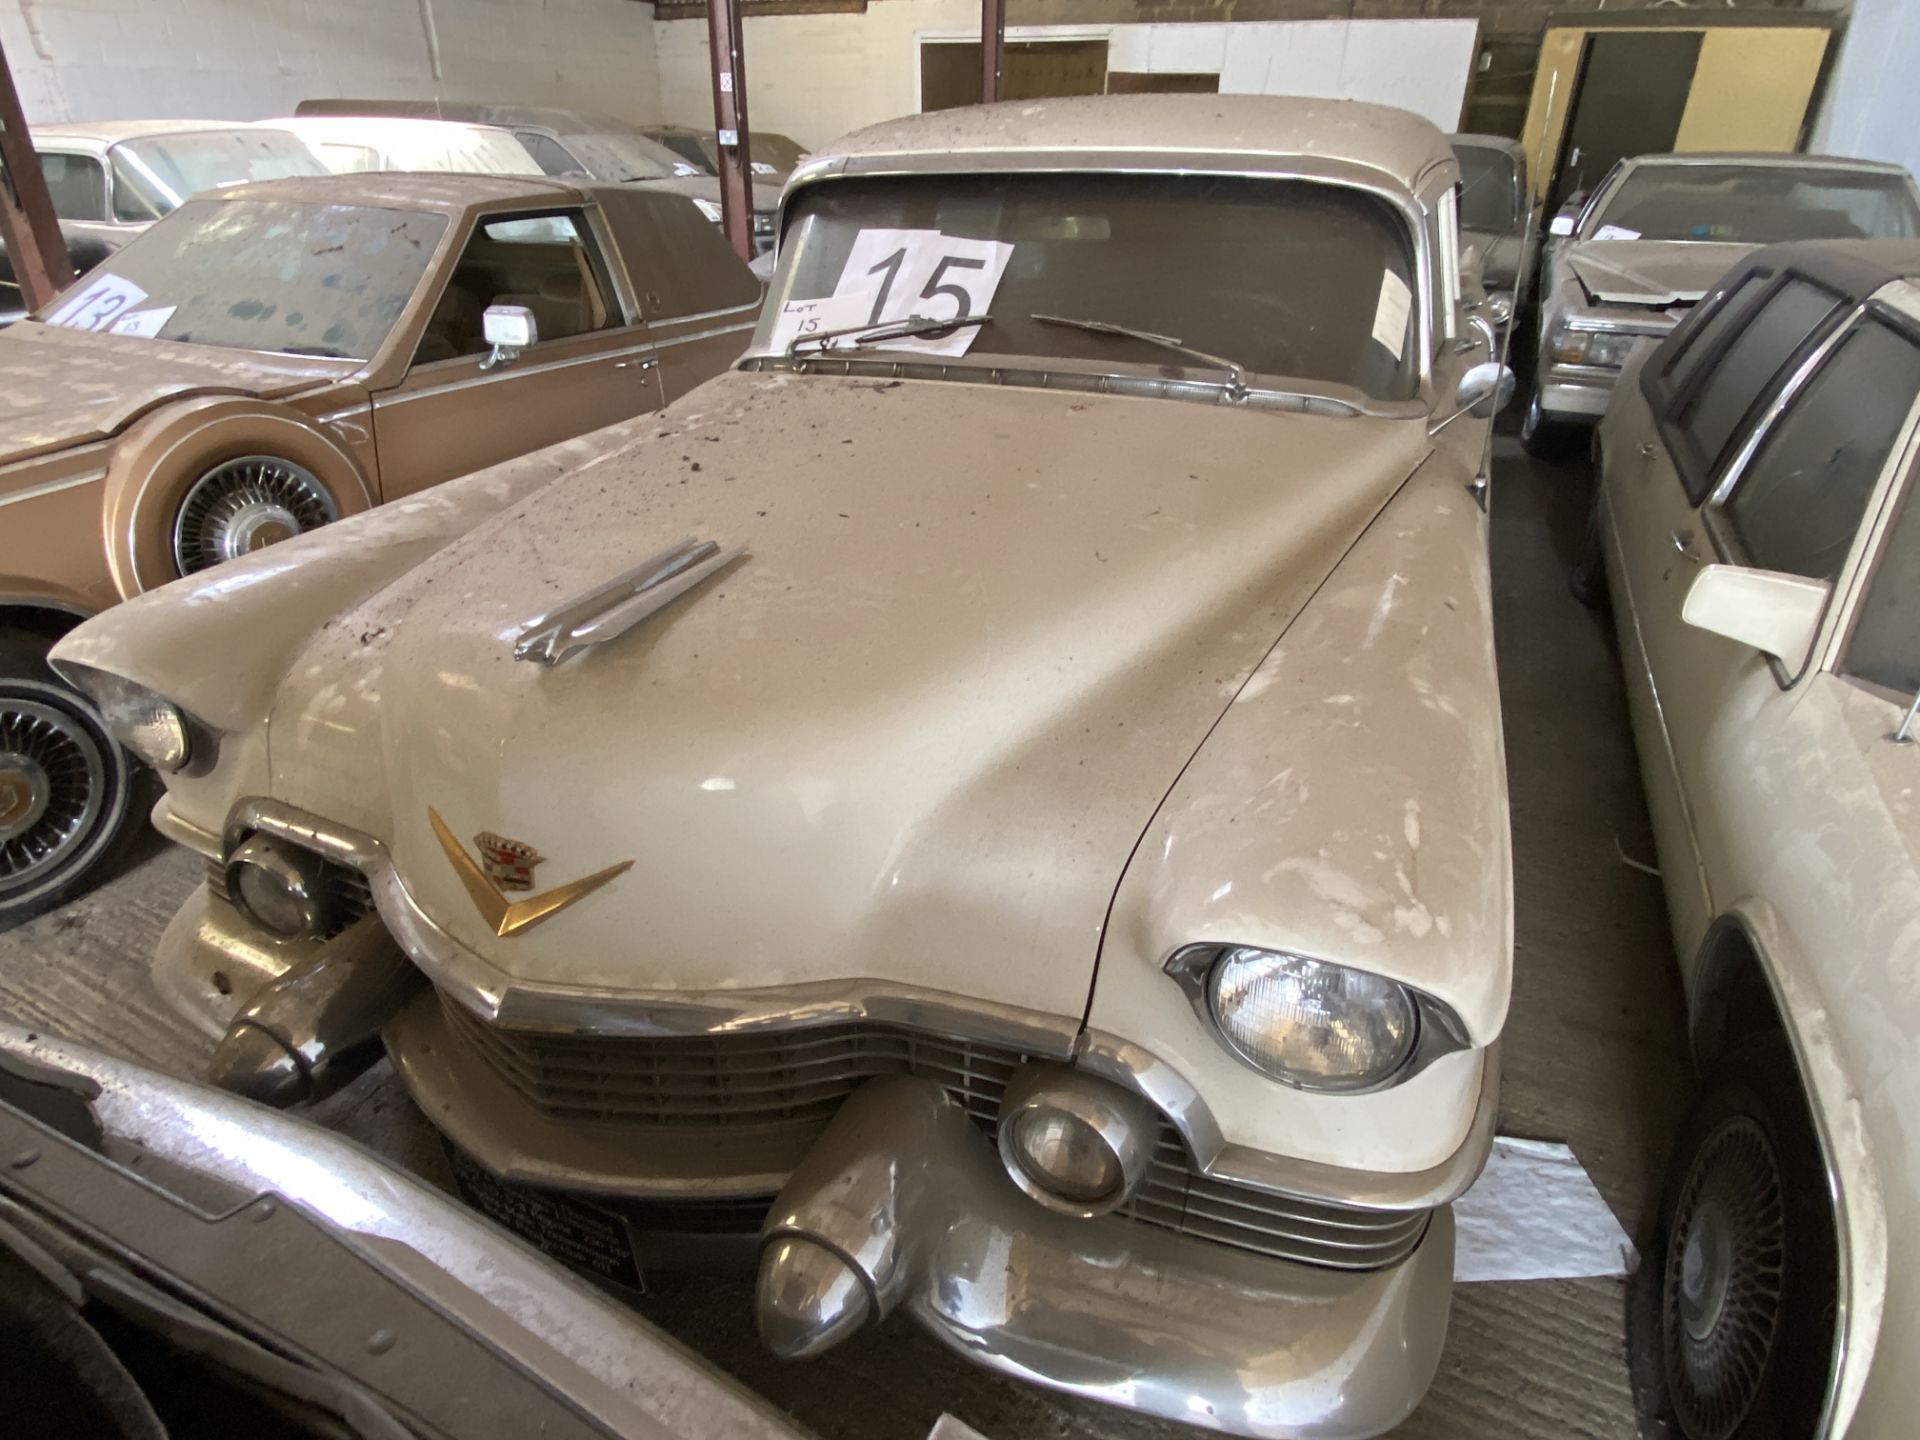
(922, 272)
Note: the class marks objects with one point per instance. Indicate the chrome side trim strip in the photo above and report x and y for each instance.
(1140, 1069)
(499, 998)
(667, 342)
(53, 487)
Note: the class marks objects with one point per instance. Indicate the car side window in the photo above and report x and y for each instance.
(1709, 416)
(549, 154)
(1884, 647)
(1798, 503)
(1707, 338)
(77, 184)
(547, 263)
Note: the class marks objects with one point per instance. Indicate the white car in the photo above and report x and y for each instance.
(349, 144)
(1760, 531)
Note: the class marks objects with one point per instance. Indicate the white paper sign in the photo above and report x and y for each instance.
(99, 305)
(1390, 315)
(800, 318)
(922, 272)
(1615, 232)
(144, 323)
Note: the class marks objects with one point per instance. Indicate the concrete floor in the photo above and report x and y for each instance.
(1593, 1054)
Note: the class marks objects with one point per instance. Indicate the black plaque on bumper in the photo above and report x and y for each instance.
(593, 1241)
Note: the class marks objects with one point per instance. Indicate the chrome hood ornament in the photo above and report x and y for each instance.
(609, 610)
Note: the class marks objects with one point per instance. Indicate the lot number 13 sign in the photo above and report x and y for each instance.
(921, 272)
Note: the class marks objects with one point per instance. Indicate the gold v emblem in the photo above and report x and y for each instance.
(510, 918)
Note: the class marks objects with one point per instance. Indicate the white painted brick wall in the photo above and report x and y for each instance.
(248, 59)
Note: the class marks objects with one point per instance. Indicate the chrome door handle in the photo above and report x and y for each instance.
(1646, 449)
(647, 364)
(1683, 544)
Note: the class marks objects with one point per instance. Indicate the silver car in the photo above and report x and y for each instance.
(1655, 235)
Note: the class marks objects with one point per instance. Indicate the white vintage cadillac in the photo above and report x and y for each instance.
(1034, 855)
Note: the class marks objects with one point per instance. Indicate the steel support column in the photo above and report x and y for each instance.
(993, 48)
(730, 124)
(35, 247)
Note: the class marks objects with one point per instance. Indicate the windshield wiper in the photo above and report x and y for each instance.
(909, 328)
(1237, 375)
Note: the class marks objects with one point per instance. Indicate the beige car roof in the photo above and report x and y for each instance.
(1395, 143)
(452, 193)
(103, 133)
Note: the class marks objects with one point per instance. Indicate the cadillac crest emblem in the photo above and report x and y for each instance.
(509, 864)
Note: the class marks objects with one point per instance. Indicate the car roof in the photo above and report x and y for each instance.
(480, 112)
(345, 127)
(1769, 157)
(1503, 143)
(1394, 143)
(1854, 268)
(111, 132)
(452, 193)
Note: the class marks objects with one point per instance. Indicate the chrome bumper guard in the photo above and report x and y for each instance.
(901, 1204)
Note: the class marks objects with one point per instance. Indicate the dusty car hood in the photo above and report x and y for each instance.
(912, 737)
(65, 387)
(1651, 272)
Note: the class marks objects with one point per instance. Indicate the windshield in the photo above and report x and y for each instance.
(1290, 278)
(623, 157)
(1489, 189)
(689, 158)
(1758, 204)
(153, 176)
(278, 275)
(774, 155)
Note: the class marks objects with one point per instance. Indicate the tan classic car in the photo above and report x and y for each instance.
(989, 807)
(1759, 526)
(265, 361)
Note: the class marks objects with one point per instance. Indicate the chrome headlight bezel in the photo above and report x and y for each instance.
(1437, 1031)
(152, 728)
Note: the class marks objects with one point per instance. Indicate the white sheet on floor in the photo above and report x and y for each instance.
(951, 1427)
(1534, 1215)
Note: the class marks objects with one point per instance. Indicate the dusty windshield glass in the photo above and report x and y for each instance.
(1755, 205)
(1293, 279)
(153, 176)
(623, 157)
(278, 275)
(1489, 189)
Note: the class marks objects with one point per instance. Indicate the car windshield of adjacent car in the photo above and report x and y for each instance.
(1303, 280)
(154, 175)
(689, 158)
(619, 157)
(1754, 204)
(292, 277)
(1489, 189)
(774, 155)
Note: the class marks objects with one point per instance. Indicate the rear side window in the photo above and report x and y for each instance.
(1800, 500)
(1709, 417)
(77, 184)
(549, 154)
(1885, 645)
(1707, 337)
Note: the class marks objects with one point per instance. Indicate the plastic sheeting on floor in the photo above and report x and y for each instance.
(1535, 1215)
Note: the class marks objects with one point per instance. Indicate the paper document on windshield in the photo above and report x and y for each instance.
(101, 303)
(900, 273)
(1615, 232)
(1390, 314)
(144, 323)
(800, 318)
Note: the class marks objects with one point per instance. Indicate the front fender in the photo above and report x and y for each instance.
(160, 456)
(1350, 805)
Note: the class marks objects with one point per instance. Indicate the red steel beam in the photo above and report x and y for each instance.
(730, 124)
(993, 48)
(35, 246)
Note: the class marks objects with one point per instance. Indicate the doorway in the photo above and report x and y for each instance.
(1628, 100)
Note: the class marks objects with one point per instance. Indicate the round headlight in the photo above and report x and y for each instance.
(1310, 1023)
(279, 887)
(148, 724)
(1074, 1142)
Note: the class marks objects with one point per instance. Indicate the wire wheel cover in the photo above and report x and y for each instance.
(245, 504)
(1721, 1299)
(52, 786)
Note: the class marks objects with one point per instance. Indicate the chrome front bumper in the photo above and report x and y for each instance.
(1583, 400)
(902, 1204)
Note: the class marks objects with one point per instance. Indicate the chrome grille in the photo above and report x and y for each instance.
(348, 895)
(798, 1078)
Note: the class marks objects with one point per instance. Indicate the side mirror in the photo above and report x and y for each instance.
(1774, 613)
(1483, 391)
(509, 329)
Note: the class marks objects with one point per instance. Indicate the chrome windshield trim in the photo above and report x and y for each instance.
(1141, 1070)
(505, 1000)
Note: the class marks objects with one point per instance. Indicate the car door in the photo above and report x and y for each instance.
(1820, 408)
(592, 362)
